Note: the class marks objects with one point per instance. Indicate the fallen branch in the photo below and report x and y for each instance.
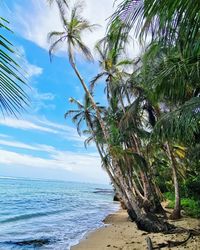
(169, 243)
(173, 243)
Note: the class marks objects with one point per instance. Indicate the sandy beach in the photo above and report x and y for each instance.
(120, 233)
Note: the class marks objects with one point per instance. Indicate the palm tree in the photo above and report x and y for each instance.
(83, 113)
(175, 53)
(71, 35)
(114, 73)
(168, 20)
(171, 67)
(113, 61)
(86, 114)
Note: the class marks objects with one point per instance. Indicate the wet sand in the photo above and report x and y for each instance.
(120, 233)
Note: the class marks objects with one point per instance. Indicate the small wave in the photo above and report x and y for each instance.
(9, 178)
(103, 191)
(34, 215)
(34, 242)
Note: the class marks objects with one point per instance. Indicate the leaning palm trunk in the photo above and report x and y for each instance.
(72, 62)
(147, 222)
(112, 175)
(72, 33)
(151, 200)
(120, 184)
(132, 203)
(176, 214)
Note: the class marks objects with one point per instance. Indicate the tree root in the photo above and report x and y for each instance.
(177, 230)
(170, 243)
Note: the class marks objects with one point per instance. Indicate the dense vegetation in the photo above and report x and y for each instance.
(147, 134)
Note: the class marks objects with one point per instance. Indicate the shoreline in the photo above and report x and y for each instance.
(122, 234)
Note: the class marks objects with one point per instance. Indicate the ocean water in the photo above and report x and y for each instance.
(37, 214)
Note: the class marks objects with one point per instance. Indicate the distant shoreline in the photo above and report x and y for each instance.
(120, 233)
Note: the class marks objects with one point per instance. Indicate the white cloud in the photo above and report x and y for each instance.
(32, 28)
(25, 125)
(17, 145)
(37, 29)
(88, 166)
(30, 70)
(21, 145)
(85, 165)
(4, 136)
(67, 132)
(41, 100)
(13, 158)
(43, 125)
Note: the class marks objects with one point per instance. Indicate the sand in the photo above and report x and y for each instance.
(119, 233)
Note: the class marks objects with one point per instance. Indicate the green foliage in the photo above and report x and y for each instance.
(191, 206)
(191, 186)
(152, 116)
(184, 120)
(73, 27)
(13, 99)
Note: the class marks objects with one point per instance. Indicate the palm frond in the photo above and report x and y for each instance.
(55, 45)
(88, 141)
(74, 101)
(84, 50)
(71, 112)
(125, 62)
(182, 124)
(95, 79)
(13, 98)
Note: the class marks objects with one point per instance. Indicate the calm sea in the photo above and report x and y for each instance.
(37, 214)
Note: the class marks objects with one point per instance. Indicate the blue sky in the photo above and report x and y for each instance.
(41, 143)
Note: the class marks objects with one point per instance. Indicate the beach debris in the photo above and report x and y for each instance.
(149, 243)
(34, 243)
(169, 243)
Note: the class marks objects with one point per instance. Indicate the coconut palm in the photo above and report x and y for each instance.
(71, 36)
(86, 114)
(168, 20)
(171, 66)
(114, 74)
(115, 150)
(83, 113)
(174, 53)
(112, 61)
(13, 98)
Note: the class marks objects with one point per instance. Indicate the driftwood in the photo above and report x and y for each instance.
(171, 244)
(149, 243)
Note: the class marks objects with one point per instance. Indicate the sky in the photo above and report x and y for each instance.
(41, 143)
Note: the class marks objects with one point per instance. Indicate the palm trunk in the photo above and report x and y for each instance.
(89, 95)
(143, 220)
(176, 214)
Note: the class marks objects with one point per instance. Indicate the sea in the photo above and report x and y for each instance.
(43, 214)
